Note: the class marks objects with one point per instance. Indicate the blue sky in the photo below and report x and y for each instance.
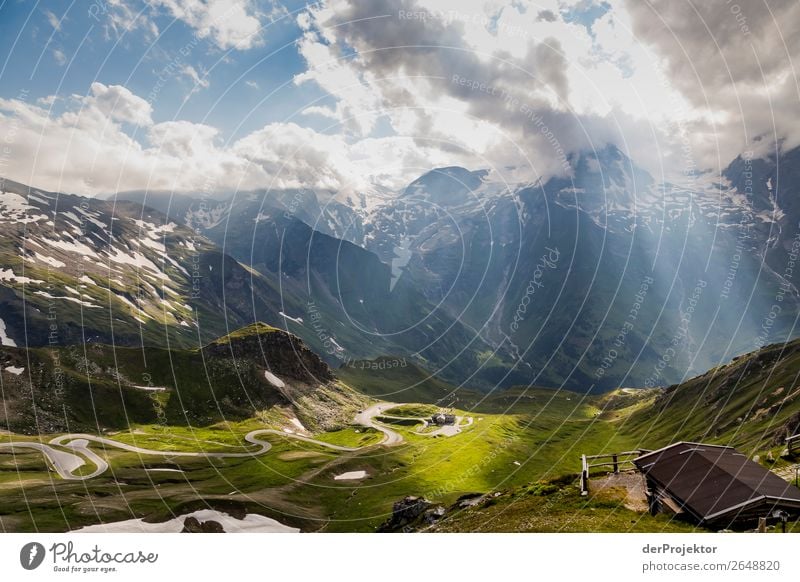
(358, 96)
(45, 60)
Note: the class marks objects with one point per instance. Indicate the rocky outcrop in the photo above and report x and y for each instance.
(278, 351)
(411, 514)
(404, 513)
(194, 525)
(434, 514)
(239, 376)
(285, 366)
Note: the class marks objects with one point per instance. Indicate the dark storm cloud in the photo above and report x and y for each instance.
(735, 59)
(517, 95)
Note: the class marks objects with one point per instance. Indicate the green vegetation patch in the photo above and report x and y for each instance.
(351, 437)
(556, 507)
(257, 328)
(412, 410)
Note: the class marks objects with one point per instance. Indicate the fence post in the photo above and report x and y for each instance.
(584, 476)
(762, 525)
(614, 460)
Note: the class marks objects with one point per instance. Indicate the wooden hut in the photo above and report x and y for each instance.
(716, 486)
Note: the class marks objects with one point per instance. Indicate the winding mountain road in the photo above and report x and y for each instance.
(64, 463)
(67, 453)
(365, 418)
(67, 462)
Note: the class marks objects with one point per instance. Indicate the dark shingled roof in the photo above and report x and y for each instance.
(712, 482)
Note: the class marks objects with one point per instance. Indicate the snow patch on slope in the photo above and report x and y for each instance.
(252, 523)
(273, 379)
(4, 339)
(290, 318)
(8, 275)
(14, 208)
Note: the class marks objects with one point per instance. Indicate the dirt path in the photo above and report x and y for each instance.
(627, 486)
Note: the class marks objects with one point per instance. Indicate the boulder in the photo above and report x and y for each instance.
(194, 525)
(469, 500)
(434, 514)
(404, 513)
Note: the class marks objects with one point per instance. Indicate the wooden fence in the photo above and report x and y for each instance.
(793, 444)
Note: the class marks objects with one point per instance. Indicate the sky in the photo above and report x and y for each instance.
(101, 96)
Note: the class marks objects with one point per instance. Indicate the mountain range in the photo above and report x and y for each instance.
(601, 279)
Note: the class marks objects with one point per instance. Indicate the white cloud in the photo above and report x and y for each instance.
(183, 139)
(121, 18)
(60, 57)
(228, 23)
(321, 111)
(54, 21)
(294, 156)
(627, 80)
(190, 72)
(119, 104)
(86, 150)
(358, 104)
(538, 88)
(199, 82)
(379, 60)
(91, 149)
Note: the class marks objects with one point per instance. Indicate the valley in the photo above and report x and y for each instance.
(282, 356)
(151, 467)
(495, 284)
(518, 456)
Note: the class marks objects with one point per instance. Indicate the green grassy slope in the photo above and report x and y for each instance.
(751, 403)
(100, 387)
(521, 448)
(396, 380)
